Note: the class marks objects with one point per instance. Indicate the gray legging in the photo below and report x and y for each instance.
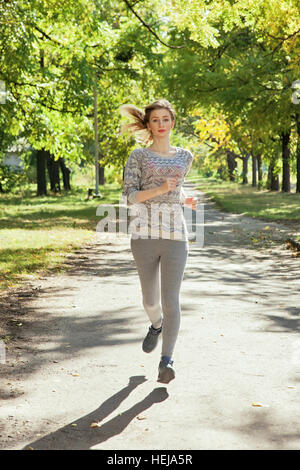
(171, 255)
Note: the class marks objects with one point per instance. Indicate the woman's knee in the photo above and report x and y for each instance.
(150, 305)
(171, 306)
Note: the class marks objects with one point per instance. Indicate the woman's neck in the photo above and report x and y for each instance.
(161, 146)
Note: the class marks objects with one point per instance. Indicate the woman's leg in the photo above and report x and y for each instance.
(147, 257)
(174, 255)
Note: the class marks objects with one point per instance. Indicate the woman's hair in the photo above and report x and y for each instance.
(141, 118)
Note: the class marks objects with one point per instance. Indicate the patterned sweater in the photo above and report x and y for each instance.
(160, 216)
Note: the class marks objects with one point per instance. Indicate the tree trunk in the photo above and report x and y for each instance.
(101, 174)
(286, 185)
(245, 168)
(254, 180)
(56, 176)
(298, 153)
(65, 173)
(41, 156)
(53, 172)
(259, 171)
(231, 164)
(273, 179)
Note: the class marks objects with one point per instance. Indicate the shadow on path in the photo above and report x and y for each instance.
(83, 437)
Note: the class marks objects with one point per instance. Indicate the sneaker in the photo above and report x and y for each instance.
(151, 339)
(166, 373)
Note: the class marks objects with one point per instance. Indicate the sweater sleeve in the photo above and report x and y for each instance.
(189, 163)
(132, 178)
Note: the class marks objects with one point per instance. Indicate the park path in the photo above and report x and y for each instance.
(77, 359)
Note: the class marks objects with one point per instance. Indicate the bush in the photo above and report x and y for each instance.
(10, 177)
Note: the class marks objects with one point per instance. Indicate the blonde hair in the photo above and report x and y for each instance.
(141, 118)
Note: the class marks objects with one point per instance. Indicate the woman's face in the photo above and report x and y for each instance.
(160, 122)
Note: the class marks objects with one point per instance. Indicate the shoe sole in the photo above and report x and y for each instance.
(149, 350)
(166, 375)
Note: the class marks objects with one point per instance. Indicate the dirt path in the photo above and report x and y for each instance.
(75, 355)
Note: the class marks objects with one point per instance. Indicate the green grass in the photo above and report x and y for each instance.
(37, 232)
(244, 199)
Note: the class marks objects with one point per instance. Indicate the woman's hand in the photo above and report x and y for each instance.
(191, 202)
(169, 185)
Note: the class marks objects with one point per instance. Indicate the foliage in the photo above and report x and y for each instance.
(10, 177)
(227, 67)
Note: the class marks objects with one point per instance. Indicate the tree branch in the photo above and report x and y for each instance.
(284, 39)
(150, 29)
(45, 35)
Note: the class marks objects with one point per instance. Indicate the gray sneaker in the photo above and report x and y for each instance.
(166, 373)
(151, 340)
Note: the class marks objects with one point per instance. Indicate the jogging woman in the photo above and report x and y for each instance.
(153, 178)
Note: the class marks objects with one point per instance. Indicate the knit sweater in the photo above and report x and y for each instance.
(160, 216)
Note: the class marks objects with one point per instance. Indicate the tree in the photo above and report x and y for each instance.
(241, 60)
(49, 73)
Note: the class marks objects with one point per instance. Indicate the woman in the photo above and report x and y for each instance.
(152, 184)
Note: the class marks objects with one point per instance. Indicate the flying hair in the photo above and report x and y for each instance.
(140, 119)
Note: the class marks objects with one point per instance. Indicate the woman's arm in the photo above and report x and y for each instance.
(144, 195)
(182, 196)
(188, 201)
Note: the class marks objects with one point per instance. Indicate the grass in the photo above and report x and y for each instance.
(246, 200)
(37, 232)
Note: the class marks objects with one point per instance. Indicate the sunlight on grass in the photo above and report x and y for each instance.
(36, 233)
(28, 251)
(235, 198)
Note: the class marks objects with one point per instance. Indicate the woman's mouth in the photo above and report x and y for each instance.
(161, 130)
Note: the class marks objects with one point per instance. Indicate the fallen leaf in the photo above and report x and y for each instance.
(140, 417)
(95, 425)
(260, 405)
(75, 375)
(74, 425)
